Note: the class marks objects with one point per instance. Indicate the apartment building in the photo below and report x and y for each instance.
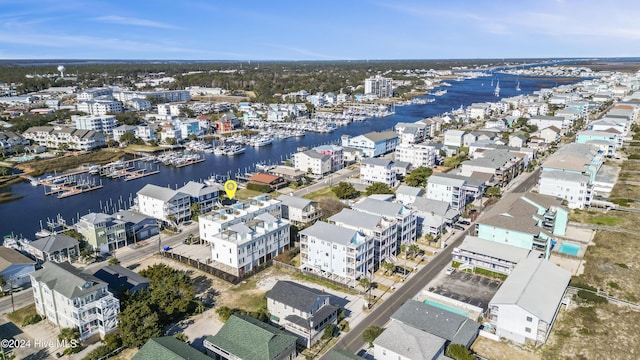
(373, 170)
(447, 189)
(164, 203)
(405, 218)
(101, 123)
(417, 154)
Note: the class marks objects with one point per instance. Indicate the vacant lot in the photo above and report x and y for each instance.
(626, 189)
(496, 350)
(632, 165)
(595, 332)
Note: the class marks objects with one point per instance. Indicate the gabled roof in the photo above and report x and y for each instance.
(409, 190)
(10, 257)
(196, 189)
(264, 178)
(445, 180)
(120, 274)
(379, 207)
(294, 201)
(340, 354)
(53, 243)
(436, 207)
(248, 338)
(381, 135)
(67, 280)
(315, 155)
(515, 213)
(160, 193)
(536, 285)
(296, 295)
(168, 348)
(450, 326)
(377, 162)
(409, 342)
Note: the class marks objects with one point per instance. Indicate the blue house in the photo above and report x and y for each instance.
(374, 143)
(528, 221)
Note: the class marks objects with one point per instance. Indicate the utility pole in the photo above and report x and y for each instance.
(13, 305)
(159, 232)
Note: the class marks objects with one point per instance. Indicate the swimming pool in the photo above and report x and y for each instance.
(446, 307)
(569, 249)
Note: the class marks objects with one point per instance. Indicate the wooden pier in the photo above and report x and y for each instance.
(66, 185)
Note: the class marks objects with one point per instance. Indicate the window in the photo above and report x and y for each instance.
(529, 319)
(527, 330)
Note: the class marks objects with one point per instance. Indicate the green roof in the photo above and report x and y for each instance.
(340, 354)
(168, 348)
(248, 338)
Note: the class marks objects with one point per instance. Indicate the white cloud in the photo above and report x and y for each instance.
(135, 22)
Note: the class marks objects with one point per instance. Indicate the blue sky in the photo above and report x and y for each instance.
(317, 30)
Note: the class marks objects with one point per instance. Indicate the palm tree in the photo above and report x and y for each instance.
(388, 266)
(414, 250)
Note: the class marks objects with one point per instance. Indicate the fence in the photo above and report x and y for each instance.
(228, 277)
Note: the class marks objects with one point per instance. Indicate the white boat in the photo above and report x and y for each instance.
(518, 86)
(235, 150)
(440, 92)
(299, 133)
(497, 90)
(262, 141)
(220, 150)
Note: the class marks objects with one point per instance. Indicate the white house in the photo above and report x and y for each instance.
(527, 304)
(373, 170)
(71, 299)
(405, 217)
(102, 123)
(15, 268)
(417, 154)
(312, 162)
(411, 133)
(299, 211)
(453, 138)
(447, 189)
(335, 252)
(164, 203)
(372, 144)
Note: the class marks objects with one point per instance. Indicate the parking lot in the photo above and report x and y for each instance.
(471, 289)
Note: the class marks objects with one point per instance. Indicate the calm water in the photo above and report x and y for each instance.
(24, 216)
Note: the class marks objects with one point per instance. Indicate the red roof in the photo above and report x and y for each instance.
(264, 178)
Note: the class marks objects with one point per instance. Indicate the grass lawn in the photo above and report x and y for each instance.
(625, 190)
(598, 218)
(324, 193)
(631, 165)
(143, 148)
(244, 194)
(18, 316)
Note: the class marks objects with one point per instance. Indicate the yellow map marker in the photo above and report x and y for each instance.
(230, 188)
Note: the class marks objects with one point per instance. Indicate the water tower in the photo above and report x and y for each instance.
(61, 69)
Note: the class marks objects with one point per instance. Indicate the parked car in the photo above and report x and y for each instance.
(449, 271)
(458, 227)
(464, 222)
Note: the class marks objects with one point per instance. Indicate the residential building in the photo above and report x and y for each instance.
(383, 232)
(411, 133)
(404, 217)
(55, 247)
(379, 86)
(433, 216)
(546, 121)
(504, 165)
(608, 141)
(9, 140)
(243, 337)
(473, 187)
(374, 170)
(100, 123)
(528, 221)
(447, 189)
(408, 194)
(372, 144)
(245, 235)
(299, 211)
(272, 181)
(123, 129)
(92, 93)
(168, 347)
(488, 255)
(417, 154)
(121, 279)
(400, 341)
(100, 107)
(164, 204)
(69, 298)
(301, 310)
(335, 252)
(74, 139)
(15, 268)
(205, 196)
(453, 138)
(312, 162)
(527, 304)
(550, 134)
(335, 152)
(103, 232)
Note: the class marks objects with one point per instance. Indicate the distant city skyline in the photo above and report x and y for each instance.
(326, 30)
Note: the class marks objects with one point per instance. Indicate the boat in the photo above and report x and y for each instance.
(497, 90)
(220, 150)
(262, 141)
(440, 92)
(518, 86)
(299, 133)
(94, 169)
(235, 150)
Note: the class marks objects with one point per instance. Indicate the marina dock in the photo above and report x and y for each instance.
(67, 184)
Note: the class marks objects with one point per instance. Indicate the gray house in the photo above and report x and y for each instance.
(55, 247)
(301, 310)
(121, 279)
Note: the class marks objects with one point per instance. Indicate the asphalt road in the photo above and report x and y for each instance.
(20, 300)
(331, 180)
(528, 183)
(352, 341)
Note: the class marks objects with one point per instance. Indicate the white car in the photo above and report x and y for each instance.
(449, 271)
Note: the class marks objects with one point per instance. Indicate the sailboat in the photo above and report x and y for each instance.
(518, 86)
(497, 91)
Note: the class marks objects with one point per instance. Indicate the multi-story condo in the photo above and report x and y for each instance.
(504, 165)
(411, 133)
(9, 140)
(299, 211)
(245, 235)
(453, 137)
(205, 196)
(373, 170)
(167, 95)
(447, 189)
(312, 162)
(372, 144)
(405, 218)
(417, 154)
(527, 304)
(103, 232)
(71, 299)
(101, 123)
(335, 153)
(336, 252)
(100, 107)
(378, 85)
(497, 257)
(74, 139)
(92, 93)
(164, 204)
(383, 232)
